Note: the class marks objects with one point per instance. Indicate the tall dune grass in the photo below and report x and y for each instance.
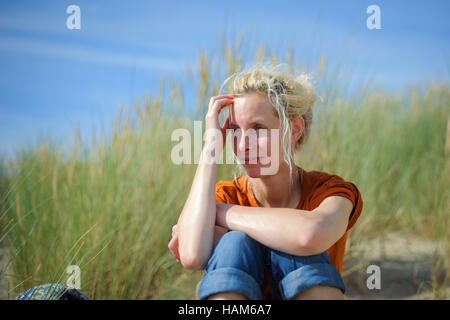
(109, 206)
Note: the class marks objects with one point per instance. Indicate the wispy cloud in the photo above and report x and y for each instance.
(89, 55)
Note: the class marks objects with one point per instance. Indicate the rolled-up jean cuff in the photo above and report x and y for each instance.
(229, 279)
(309, 276)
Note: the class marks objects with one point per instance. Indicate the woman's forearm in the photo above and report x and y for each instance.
(283, 229)
(197, 219)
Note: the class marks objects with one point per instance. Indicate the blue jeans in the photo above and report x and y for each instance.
(237, 264)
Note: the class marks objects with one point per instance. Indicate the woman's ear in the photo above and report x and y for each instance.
(297, 127)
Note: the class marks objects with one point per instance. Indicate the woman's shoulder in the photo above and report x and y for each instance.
(320, 185)
(315, 178)
(322, 182)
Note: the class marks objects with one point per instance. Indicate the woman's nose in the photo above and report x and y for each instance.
(247, 141)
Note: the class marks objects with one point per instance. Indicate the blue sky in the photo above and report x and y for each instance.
(52, 76)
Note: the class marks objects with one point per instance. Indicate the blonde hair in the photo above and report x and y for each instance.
(291, 95)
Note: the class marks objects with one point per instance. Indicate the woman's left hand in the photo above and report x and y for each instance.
(173, 243)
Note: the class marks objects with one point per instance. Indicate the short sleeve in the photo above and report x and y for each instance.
(336, 186)
(224, 194)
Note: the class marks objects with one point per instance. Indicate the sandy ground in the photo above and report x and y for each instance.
(407, 265)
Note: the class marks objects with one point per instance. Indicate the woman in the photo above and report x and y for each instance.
(272, 235)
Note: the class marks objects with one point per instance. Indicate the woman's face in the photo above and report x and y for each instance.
(254, 144)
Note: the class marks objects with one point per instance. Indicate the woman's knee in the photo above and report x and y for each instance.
(236, 249)
(236, 244)
(237, 238)
(236, 266)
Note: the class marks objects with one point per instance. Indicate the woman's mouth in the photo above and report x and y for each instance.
(252, 160)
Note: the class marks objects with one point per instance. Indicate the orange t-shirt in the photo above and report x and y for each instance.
(316, 186)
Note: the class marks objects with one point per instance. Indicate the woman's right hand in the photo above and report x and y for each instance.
(216, 104)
